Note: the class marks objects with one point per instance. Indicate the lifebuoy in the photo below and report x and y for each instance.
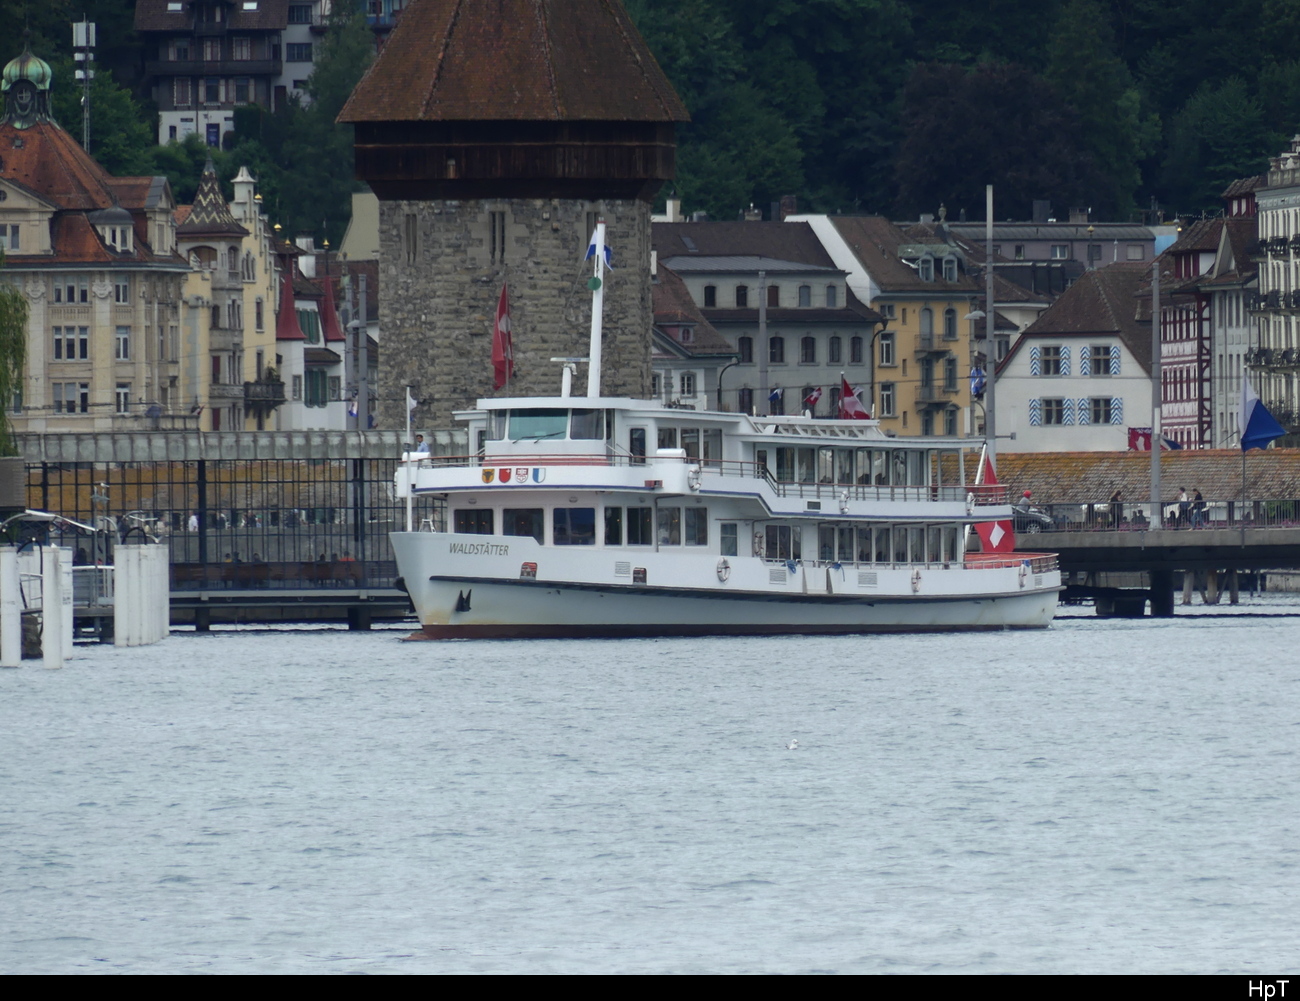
(916, 581)
(758, 543)
(1024, 573)
(724, 570)
(970, 502)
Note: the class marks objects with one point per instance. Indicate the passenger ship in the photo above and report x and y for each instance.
(619, 517)
(595, 516)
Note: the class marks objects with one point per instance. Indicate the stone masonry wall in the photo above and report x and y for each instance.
(440, 281)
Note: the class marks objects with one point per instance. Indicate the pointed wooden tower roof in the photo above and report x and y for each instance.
(210, 215)
(514, 98)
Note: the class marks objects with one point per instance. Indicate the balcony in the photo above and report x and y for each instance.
(215, 67)
(263, 396)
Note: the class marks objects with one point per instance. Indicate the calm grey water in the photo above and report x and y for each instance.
(1096, 797)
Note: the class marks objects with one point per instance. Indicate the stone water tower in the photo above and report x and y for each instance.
(495, 133)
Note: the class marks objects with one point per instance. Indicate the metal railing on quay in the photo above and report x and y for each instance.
(1138, 517)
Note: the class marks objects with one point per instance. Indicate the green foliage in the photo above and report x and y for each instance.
(13, 354)
(1218, 136)
(121, 133)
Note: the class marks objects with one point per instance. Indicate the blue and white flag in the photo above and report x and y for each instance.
(978, 381)
(776, 395)
(352, 407)
(591, 252)
(1258, 426)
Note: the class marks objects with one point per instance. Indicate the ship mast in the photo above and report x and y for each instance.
(596, 283)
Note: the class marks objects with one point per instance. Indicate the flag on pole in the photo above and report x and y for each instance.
(1139, 440)
(811, 400)
(503, 349)
(995, 536)
(411, 402)
(352, 407)
(591, 252)
(978, 381)
(851, 408)
(1258, 426)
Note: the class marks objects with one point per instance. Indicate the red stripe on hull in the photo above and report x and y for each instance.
(539, 631)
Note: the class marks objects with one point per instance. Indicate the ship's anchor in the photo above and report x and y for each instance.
(462, 600)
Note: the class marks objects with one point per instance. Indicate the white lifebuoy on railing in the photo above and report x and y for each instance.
(693, 477)
(724, 570)
(916, 581)
(970, 502)
(758, 543)
(1024, 573)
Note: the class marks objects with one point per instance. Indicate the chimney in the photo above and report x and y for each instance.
(752, 214)
(674, 210)
(1042, 210)
(1078, 215)
(789, 206)
(307, 262)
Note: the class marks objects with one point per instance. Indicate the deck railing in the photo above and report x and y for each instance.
(982, 494)
(1137, 517)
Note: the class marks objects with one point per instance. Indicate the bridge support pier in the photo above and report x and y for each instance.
(1211, 587)
(358, 618)
(202, 620)
(1189, 585)
(1162, 594)
(1234, 588)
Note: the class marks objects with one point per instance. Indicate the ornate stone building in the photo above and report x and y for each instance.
(495, 135)
(96, 257)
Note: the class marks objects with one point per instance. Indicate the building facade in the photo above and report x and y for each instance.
(784, 308)
(96, 257)
(1078, 377)
(492, 169)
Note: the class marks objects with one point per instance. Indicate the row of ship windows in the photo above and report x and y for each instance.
(676, 526)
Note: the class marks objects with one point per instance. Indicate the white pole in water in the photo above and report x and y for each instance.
(597, 286)
(52, 608)
(11, 611)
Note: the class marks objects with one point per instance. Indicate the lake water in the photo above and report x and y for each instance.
(1098, 797)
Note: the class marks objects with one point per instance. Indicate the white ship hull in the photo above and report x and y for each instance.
(464, 586)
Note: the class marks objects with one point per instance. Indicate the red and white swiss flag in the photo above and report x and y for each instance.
(995, 536)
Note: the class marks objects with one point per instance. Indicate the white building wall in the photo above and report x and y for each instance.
(1021, 392)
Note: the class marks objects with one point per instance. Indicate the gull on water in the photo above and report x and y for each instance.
(793, 745)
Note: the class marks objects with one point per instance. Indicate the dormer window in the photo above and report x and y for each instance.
(925, 269)
(950, 269)
(115, 227)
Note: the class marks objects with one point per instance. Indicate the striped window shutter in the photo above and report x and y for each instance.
(1068, 416)
(1035, 413)
(1085, 411)
(1065, 362)
(1085, 361)
(1114, 359)
(1035, 366)
(1116, 406)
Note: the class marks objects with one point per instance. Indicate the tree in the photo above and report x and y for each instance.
(1089, 76)
(996, 124)
(121, 131)
(13, 355)
(1218, 136)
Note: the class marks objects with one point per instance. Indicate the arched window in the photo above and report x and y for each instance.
(855, 350)
(808, 350)
(745, 347)
(776, 350)
(805, 295)
(232, 259)
(742, 296)
(925, 269)
(835, 349)
(927, 320)
(950, 323)
(950, 269)
(773, 296)
(710, 296)
(832, 297)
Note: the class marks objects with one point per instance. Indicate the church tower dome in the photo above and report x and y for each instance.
(25, 85)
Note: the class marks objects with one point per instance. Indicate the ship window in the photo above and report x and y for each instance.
(807, 464)
(729, 539)
(782, 543)
(667, 437)
(691, 443)
(696, 526)
(537, 423)
(496, 425)
(471, 521)
(639, 526)
(587, 425)
(574, 526)
(524, 521)
(636, 445)
(613, 526)
(785, 465)
(670, 526)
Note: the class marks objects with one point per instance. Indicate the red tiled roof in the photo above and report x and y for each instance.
(49, 162)
(673, 307)
(875, 240)
(514, 60)
(1091, 477)
(781, 241)
(286, 319)
(1103, 301)
(1245, 186)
